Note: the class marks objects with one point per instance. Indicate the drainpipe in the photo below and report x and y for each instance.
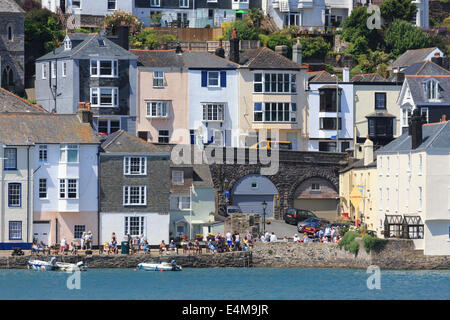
(29, 217)
(3, 196)
(98, 197)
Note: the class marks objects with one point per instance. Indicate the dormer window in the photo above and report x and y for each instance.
(431, 89)
(67, 44)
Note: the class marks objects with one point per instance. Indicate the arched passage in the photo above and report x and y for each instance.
(251, 191)
(319, 195)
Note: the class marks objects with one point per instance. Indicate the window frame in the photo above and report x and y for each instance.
(68, 147)
(321, 123)
(108, 126)
(97, 91)
(80, 231)
(41, 189)
(19, 223)
(43, 153)
(180, 180)
(155, 3)
(163, 138)
(5, 167)
(63, 193)
(209, 85)
(115, 5)
(127, 196)
(127, 166)
(158, 78)
(157, 107)
(269, 80)
(432, 90)
(184, 3)
(290, 112)
(64, 69)
(98, 68)
(384, 100)
(180, 202)
(44, 71)
(18, 195)
(127, 225)
(79, 4)
(217, 115)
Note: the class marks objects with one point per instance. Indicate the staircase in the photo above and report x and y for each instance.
(268, 24)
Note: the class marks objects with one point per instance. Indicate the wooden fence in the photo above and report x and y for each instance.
(190, 34)
(211, 46)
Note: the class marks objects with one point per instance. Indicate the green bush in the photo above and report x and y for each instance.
(370, 243)
(349, 243)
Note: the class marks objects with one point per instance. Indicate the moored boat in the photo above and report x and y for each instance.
(163, 266)
(70, 267)
(52, 265)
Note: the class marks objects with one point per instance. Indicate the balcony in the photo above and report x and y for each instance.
(240, 5)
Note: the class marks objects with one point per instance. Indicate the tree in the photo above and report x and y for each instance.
(402, 36)
(398, 9)
(244, 30)
(355, 26)
(150, 39)
(113, 21)
(255, 16)
(314, 47)
(374, 61)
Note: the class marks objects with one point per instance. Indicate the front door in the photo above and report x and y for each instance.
(41, 232)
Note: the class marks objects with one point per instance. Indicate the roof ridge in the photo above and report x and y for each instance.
(82, 46)
(120, 132)
(29, 103)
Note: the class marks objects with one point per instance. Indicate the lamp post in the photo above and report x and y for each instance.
(264, 206)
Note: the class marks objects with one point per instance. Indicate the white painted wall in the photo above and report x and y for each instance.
(86, 171)
(156, 226)
(228, 95)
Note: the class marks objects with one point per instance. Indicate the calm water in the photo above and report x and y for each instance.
(230, 283)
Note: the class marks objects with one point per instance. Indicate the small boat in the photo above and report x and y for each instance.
(163, 266)
(43, 265)
(70, 267)
(52, 265)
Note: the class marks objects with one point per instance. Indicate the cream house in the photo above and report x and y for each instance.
(413, 174)
(272, 97)
(376, 112)
(357, 189)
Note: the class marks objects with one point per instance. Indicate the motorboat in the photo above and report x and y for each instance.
(163, 266)
(52, 265)
(71, 267)
(43, 265)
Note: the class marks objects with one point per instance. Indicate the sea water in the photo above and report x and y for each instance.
(225, 283)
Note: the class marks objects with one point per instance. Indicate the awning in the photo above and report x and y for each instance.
(380, 115)
(330, 86)
(241, 11)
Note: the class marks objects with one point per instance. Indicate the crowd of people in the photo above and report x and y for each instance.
(231, 241)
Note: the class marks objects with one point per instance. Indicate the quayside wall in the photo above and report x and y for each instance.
(395, 255)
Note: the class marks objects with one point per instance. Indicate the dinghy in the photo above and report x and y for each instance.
(163, 266)
(52, 265)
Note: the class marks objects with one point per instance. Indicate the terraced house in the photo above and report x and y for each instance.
(272, 97)
(187, 97)
(94, 69)
(134, 189)
(54, 160)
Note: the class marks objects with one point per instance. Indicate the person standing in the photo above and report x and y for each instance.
(62, 246)
(82, 240)
(237, 241)
(229, 241)
(267, 235)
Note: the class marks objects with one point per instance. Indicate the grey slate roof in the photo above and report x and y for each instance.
(265, 58)
(411, 56)
(416, 86)
(10, 6)
(9, 102)
(86, 45)
(29, 128)
(425, 68)
(321, 76)
(187, 59)
(435, 139)
(368, 77)
(124, 142)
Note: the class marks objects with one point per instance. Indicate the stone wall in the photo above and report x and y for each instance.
(396, 255)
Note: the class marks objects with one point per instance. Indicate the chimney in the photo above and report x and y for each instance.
(124, 32)
(297, 52)
(234, 47)
(283, 50)
(178, 49)
(84, 113)
(415, 129)
(346, 74)
(220, 52)
(368, 151)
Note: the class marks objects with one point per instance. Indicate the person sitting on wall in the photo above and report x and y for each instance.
(305, 238)
(145, 247)
(211, 246)
(162, 247)
(296, 238)
(172, 246)
(197, 248)
(190, 246)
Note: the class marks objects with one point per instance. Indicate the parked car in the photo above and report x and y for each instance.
(312, 228)
(293, 216)
(233, 209)
(310, 220)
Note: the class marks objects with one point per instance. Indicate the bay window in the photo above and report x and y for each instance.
(329, 124)
(68, 153)
(274, 83)
(68, 188)
(275, 112)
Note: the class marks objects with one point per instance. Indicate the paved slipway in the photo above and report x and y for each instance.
(396, 255)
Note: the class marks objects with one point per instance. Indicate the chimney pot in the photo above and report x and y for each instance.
(234, 47)
(283, 50)
(415, 129)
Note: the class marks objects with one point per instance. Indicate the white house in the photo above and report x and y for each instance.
(89, 7)
(414, 186)
(325, 124)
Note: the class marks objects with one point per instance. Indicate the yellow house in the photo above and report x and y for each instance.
(272, 98)
(376, 113)
(357, 189)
